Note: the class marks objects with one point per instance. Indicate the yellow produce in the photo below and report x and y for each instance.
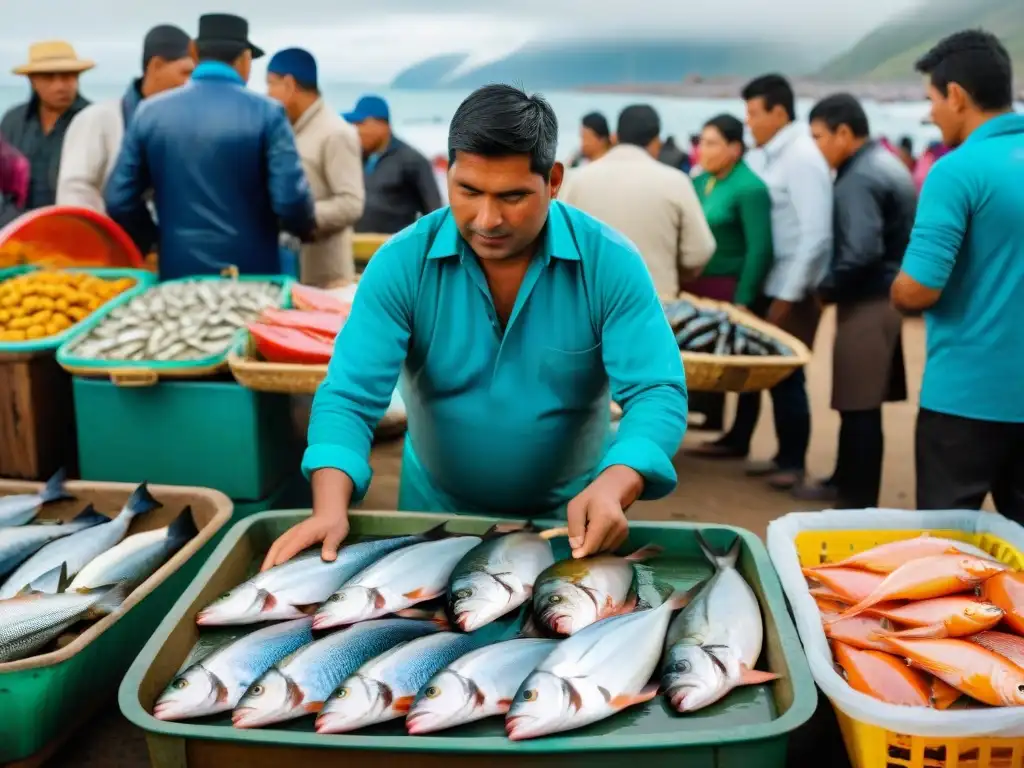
(39, 304)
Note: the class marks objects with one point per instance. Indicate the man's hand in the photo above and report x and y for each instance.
(779, 311)
(597, 522)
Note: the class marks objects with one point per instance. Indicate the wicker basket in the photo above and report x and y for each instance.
(263, 376)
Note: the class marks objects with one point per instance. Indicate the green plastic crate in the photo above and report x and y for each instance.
(211, 433)
(748, 728)
(143, 280)
(90, 366)
(43, 699)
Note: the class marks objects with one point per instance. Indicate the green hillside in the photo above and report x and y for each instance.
(890, 51)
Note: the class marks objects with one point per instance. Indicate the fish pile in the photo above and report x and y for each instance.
(444, 629)
(700, 329)
(184, 320)
(55, 574)
(302, 336)
(927, 622)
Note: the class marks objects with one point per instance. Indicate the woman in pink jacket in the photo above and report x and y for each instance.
(14, 178)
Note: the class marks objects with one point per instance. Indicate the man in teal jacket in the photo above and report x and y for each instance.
(965, 267)
(509, 316)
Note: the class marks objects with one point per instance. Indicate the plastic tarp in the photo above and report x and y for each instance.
(782, 533)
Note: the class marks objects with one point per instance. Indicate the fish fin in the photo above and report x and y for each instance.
(113, 596)
(575, 700)
(313, 707)
(184, 526)
(222, 691)
(90, 515)
(269, 602)
(811, 575)
(503, 706)
(423, 614)
(378, 600)
(604, 692)
(624, 700)
(52, 582)
(308, 610)
(141, 501)
(420, 593)
(930, 632)
(750, 676)
(54, 489)
(645, 552)
(403, 703)
(683, 597)
(500, 529)
(437, 532)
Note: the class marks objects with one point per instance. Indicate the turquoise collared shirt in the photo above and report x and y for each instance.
(514, 422)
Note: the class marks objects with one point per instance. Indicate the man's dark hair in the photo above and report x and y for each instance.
(306, 87)
(842, 109)
(977, 62)
(639, 125)
(226, 52)
(501, 121)
(730, 127)
(597, 123)
(774, 90)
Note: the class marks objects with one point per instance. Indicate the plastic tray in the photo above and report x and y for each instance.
(43, 698)
(80, 234)
(147, 372)
(143, 280)
(879, 735)
(750, 727)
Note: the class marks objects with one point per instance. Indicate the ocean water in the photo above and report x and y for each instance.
(421, 117)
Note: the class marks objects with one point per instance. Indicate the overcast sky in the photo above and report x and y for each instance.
(364, 41)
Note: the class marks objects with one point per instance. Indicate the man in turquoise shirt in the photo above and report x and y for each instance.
(965, 267)
(508, 317)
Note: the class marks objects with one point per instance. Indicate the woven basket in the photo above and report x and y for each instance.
(281, 378)
(706, 372)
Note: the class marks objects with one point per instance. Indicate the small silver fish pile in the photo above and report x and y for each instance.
(179, 321)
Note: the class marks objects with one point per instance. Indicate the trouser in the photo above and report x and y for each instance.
(792, 421)
(858, 475)
(960, 461)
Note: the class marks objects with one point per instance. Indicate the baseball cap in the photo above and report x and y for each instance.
(297, 62)
(368, 107)
(166, 41)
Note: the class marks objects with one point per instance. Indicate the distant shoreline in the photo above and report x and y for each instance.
(730, 87)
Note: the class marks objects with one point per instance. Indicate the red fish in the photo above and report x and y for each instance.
(850, 584)
(328, 323)
(943, 696)
(860, 632)
(882, 676)
(955, 616)
(886, 558)
(1006, 645)
(308, 297)
(1007, 591)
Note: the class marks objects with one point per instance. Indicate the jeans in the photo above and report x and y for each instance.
(792, 422)
(858, 476)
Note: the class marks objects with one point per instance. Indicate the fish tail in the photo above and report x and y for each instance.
(141, 501)
(90, 515)
(645, 552)
(184, 526)
(113, 596)
(720, 561)
(54, 489)
(437, 532)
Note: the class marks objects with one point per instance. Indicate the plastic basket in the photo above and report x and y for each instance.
(139, 373)
(879, 735)
(78, 235)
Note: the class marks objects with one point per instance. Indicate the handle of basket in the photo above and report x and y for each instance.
(230, 272)
(134, 377)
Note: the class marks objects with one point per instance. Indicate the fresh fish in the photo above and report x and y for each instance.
(830, 605)
(497, 577)
(928, 577)
(850, 584)
(137, 557)
(79, 549)
(713, 645)
(981, 674)
(284, 590)
(602, 669)
(20, 543)
(859, 632)
(50, 583)
(26, 625)
(301, 683)
(384, 688)
(573, 594)
(1006, 645)
(956, 616)
(23, 507)
(886, 558)
(399, 580)
(942, 695)
(480, 684)
(882, 676)
(1007, 591)
(217, 682)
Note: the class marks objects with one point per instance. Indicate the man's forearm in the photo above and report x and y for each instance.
(625, 482)
(332, 491)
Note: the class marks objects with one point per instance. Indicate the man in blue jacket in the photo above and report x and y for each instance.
(964, 268)
(221, 163)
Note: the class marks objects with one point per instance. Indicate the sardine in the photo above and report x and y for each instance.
(282, 592)
(23, 507)
(20, 543)
(1005, 590)
(219, 680)
(399, 580)
(882, 676)
(79, 549)
(480, 684)
(301, 683)
(886, 558)
(956, 616)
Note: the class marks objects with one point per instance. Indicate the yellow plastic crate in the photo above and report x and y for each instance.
(870, 746)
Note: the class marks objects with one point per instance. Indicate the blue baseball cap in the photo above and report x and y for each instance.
(297, 62)
(369, 107)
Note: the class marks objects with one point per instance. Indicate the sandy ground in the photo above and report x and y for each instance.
(709, 491)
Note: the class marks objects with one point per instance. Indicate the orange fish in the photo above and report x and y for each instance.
(860, 632)
(1006, 645)
(1007, 591)
(943, 696)
(935, 576)
(968, 667)
(886, 558)
(829, 605)
(882, 676)
(956, 616)
(849, 584)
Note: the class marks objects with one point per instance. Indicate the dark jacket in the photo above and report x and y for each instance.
(225, 175)
(400, 186)
(21, 128)
(875, 203)
(671, 154)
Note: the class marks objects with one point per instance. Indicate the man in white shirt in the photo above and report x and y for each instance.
(801, 187)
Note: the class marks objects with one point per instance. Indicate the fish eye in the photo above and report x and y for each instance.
(682, 666)
(257, 690)
(463, 594)
(225, 596)
(337, 597)
(432, 692)
(341, 693)
(554, 600)
(1020, 689)
(530, 694)
(180, 684)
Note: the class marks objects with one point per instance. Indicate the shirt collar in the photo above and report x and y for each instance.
(557, 241)
(216, 70)
(781, 140)
(311, 112)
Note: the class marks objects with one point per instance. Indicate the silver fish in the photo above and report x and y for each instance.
(395, 582)
(20, 543)
(713, 644)
(282, 591)
(600, 670)
(219, 680)
(137, 557)
(302, 683)
(23, 507)
(497, 577)
(480, 684)
(79, 549)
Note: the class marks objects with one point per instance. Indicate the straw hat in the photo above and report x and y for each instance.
(53, 57)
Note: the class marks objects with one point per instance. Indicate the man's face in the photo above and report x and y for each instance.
(244, 65)
(166, 75)
(591, 145)
(280, 88)
(372, 134)
(836, 146)
(764, 123)
(948, 112)
(499, 204)
(57, 91)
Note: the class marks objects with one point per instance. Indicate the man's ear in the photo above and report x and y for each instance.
(957, 97)
(555, 180)
(193, 51)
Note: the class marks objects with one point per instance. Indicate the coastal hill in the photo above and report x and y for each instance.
(889, 52)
